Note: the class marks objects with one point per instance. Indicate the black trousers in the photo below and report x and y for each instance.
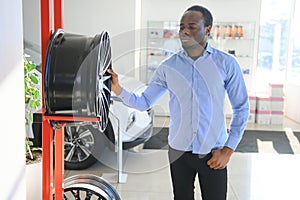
(185, 166)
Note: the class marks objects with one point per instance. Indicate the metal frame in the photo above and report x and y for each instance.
(122, 178)
(56, 187)
(47, 131)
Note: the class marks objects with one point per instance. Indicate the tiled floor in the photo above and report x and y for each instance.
(252, 176)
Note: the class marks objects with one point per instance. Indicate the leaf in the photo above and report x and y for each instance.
(30, 66)
(34, 79)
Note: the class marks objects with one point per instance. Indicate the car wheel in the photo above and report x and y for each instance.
(82, 143)
(88, 186)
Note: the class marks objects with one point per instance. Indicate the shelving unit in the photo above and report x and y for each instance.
(162, 41)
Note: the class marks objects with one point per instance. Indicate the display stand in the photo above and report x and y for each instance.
(53, 181)
(47, 131)
(121, 177)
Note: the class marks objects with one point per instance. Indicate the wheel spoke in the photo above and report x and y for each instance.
(84, 150)
(69, 132)
(103, 91)
(104, 54)
(87, 186)
(70, 154)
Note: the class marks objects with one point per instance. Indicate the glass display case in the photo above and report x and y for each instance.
(162, 41)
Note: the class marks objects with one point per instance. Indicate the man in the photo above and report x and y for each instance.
(197, 78)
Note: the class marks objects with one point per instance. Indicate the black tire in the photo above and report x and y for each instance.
(82, 144)
(88, 186)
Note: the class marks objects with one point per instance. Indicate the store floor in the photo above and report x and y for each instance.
(252, 176)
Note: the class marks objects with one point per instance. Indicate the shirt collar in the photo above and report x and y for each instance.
(208, 49)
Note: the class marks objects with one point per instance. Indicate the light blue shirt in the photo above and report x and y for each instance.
(197, 92)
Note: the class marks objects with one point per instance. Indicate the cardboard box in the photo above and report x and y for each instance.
(251, 118)
(276, 90)
(277, 103)
(263, 117)
(252, 102)
(263, 102)
(276, 117)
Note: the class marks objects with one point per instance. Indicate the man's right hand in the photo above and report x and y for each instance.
(115, 86)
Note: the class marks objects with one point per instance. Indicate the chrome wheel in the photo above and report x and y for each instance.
(82, 143)
(87, 186)
(104, 81)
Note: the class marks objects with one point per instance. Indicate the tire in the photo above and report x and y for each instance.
(88, 186)
(76, 82)
(82, 144)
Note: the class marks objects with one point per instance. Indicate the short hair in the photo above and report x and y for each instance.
(208, 18)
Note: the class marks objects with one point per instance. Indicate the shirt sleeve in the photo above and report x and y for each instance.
(145, 100)
(238, 97)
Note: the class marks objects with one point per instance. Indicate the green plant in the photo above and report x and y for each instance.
(32, 102)
(32, 92)
(32, 153)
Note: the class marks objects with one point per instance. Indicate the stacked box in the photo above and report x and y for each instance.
(276, 117)
(263, 102)
(277, 103)
(276, 90)
(251, 118)
(263, 109)
(252, 104)
(268, 107)
(263, 117)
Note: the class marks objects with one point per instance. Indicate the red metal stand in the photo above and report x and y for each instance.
(47, 131)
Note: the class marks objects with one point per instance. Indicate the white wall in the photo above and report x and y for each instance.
(231, 10)
(31, 22)
(292, 97)
(12, 148)
(90, 18)
(117, 17)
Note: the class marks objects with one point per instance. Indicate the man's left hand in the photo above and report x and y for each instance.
(220, 158)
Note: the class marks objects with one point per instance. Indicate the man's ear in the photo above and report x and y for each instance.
(207, 30)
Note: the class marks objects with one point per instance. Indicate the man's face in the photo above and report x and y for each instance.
(193, 34)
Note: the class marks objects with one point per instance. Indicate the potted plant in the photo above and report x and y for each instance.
(33, 154)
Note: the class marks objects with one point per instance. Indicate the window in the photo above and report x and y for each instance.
(273, 43)
(293, 72)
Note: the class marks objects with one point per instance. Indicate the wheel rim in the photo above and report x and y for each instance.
(76, 82)
(88, 186)
(104, 81)
(79, 143)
